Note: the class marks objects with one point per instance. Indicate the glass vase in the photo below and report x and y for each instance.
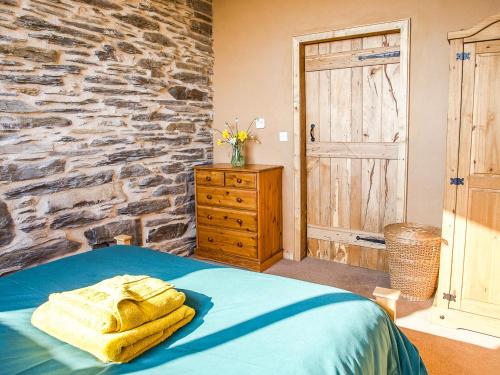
(238, 158)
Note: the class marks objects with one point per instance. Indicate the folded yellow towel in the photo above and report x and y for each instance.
(120, 303)
(109, 347)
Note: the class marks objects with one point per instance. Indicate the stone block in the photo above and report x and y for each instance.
(36, 253)
(91, 196)
(6, 225)
(138, 21)
(64, 183)
(144, 207)
(167, 232)
(134, 170)
(29, 53)
(165, 190)
(76, 219)
(105, 233)
(27, 171)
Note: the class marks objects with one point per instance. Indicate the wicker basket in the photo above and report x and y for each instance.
(413, 259)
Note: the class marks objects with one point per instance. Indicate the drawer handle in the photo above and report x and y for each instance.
(209, 196)
(208, 178)
(209, 217)
(239, 244)
(238, 180)
(239, 221)
(210, 239)
(239, 200)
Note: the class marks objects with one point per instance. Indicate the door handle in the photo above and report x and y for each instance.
(370, 239)
(311, 133)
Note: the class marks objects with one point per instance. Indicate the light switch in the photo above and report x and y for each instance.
(260, 123)
(283, 136)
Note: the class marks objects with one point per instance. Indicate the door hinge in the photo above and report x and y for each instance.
(382, 55)
(456, 181)
(463, 56)
(450, 297)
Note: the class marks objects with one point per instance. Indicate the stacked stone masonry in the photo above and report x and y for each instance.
(105, 107)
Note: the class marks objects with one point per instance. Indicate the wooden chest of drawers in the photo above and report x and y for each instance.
(239, 215)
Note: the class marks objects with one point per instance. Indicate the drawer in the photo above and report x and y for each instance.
(227, 218)
(210, 178)
(241, 180)
(227, 241)
(235, 198)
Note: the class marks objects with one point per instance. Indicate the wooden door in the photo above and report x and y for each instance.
(356, 130)
(475, 279)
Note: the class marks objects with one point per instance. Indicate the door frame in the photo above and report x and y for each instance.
(299, 115)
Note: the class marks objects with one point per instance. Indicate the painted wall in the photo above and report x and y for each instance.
(253, 77)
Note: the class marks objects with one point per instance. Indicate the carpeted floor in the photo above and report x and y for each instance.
(444, 350)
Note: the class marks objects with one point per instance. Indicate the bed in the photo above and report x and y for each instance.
(246, 323)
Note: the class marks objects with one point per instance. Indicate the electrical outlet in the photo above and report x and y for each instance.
(283, 136)
(260, 123)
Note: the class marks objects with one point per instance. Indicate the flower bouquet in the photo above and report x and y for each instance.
(236, 138)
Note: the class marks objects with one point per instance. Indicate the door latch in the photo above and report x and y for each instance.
(450, 297)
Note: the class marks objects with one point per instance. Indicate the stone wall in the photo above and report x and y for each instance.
(105, 106)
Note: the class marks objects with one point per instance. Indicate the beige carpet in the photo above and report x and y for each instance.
(444, 350)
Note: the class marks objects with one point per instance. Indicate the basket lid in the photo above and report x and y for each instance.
(413, 231)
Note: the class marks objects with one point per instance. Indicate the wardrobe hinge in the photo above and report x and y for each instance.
(450, 297)
(463, 56)
(456, 181)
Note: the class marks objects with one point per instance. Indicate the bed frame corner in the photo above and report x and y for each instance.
(123, 239)
(387, 299)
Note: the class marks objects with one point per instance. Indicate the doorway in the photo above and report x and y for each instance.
(351, 125)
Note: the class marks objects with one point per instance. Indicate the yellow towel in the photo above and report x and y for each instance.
(109, 347)
(120, 303)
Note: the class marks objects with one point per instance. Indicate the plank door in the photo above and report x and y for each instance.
(355, 147)
(475, 276)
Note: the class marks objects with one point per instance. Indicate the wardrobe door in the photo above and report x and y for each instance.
(476, 256)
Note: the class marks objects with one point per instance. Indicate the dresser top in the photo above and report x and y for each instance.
(246, 168)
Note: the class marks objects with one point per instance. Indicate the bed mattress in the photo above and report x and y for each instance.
(246, 322)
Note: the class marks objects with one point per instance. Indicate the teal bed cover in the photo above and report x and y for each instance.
(246, 322)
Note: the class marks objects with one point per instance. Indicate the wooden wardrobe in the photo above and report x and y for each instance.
(469, 283)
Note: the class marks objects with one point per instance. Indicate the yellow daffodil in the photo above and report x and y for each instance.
(219, 142)
(242, 135)
(225, 134)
